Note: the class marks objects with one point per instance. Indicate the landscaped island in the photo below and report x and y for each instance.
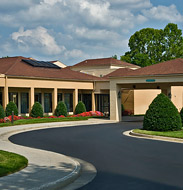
(162, 119)
(11, 162)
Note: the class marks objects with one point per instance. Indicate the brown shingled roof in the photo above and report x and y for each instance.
(14, 66)
(171, 67)
(104, 62)
(117, 72)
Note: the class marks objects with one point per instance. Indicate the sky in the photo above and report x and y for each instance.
(74, 30)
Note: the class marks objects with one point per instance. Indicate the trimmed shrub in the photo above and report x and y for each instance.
(2, 113)
(11, 106)
(162, 115)
(181, 114)
(80, 108)
(61, 109)
(37, 110)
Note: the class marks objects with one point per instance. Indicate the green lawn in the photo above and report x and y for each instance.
(43, 120)
(11, 162)
(174, 134)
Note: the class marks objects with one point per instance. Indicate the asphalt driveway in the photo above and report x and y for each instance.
(122, 162)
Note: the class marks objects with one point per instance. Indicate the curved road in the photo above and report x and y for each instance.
(123, 163)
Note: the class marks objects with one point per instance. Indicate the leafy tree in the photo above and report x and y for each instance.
(162, 115)
(150, 46)
(2, 113)
(80, 108)
(115, 57)
(173, 42)
(37, 110)
(61, 109)
(11, 106)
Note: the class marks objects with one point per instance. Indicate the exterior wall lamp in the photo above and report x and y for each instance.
(169, 95)
(119, 94)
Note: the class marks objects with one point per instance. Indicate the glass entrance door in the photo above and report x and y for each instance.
(24, 102)
(103, 103)
(47, 102)
(87, 100)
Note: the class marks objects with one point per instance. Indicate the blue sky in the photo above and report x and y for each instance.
(72, 31)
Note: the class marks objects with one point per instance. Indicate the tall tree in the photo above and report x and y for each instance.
(150, 46)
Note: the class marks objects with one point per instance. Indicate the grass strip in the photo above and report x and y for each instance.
(174, 134)
(42, 120)
(11, 162)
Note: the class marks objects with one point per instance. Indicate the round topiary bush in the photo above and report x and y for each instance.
(37, 110)
(11, 106)
(181, 114)
(80, 108)
(61, 109)
(162, 115)
(2, 113)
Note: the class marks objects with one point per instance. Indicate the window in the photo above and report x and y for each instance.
(24, 102)
(59, 97)
(102, 101)
(79, 97)
(1, 98)
(87, 100)
(47, 102)
(68, 99)
(38, 98)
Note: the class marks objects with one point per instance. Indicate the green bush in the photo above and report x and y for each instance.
(37, 110)
(11, 106)
(2, 113)
(162, 115)
(80, 108)
(61, 109)
(181, 114)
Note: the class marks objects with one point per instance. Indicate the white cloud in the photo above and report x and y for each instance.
(37, 38)
(75, 53)
(76, 29)
(97, 34)
(170, 14)
(99, 13)
(132, 4)
(51, 2)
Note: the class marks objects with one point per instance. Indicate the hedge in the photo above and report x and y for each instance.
(2, 113)
(37, 110)
(11, 106)
(162, 115)
(80, 108)
(61, 109)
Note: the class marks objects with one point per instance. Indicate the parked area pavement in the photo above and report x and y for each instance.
(122, 162)
(46, 169)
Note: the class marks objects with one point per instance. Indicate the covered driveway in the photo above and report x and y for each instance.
(160, 76)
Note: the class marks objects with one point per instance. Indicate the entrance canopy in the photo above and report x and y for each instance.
(159, 76)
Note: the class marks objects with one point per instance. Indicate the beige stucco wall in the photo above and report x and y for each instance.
(101, 86)
(177, 96)
(27, 83)
(142, 100)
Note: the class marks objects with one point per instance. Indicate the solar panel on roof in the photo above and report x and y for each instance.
(44, 64)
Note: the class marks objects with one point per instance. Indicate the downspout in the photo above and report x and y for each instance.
(5, 92)
(93, 98)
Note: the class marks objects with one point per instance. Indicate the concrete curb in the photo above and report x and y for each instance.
(71, 170)
(87, 174)
(152, 137)
(59, 183)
